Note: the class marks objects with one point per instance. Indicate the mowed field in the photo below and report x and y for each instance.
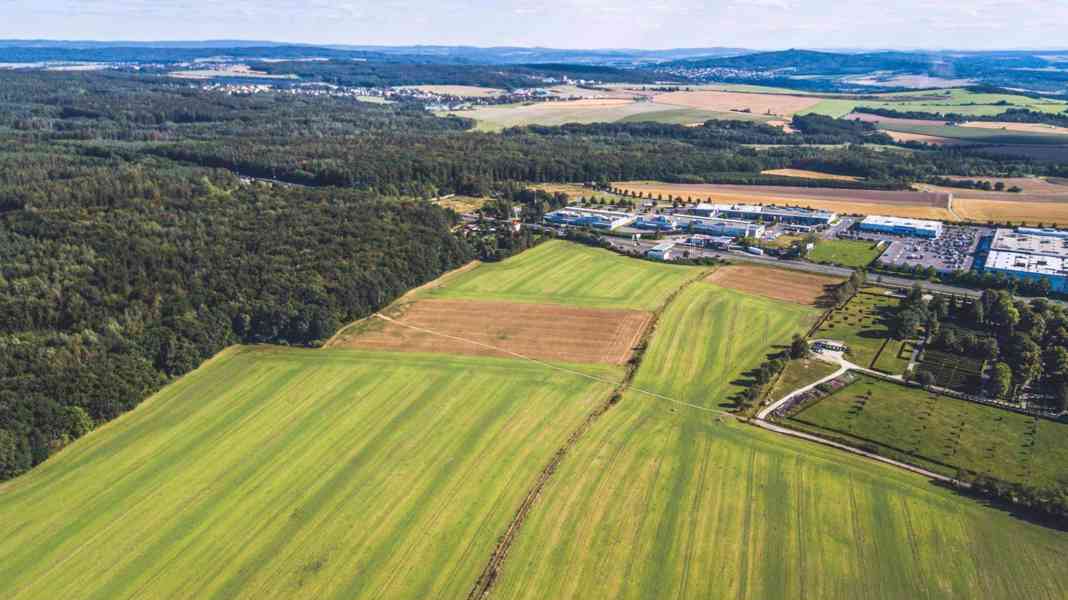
(566, 273)
(778, 284)
(941, 433)
(928, 205)
(662, 500)
(277, 473)
(506, 329)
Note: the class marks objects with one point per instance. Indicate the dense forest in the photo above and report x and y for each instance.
(132, 247)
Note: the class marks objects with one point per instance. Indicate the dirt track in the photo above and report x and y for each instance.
(543, 331)
(777, 284)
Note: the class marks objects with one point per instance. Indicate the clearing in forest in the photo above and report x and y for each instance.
(807, 174)
(493, 328)
(778, 284)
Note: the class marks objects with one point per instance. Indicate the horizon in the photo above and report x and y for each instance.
(564, 24)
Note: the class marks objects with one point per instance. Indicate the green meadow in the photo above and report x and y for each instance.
(275, 473)
(561, 272)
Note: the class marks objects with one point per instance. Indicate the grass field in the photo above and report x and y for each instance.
(956, 100)
(942, 433)
(798, 374)
(666, 501)
(565, 273)
(710, 336)
(863, 325)
(778, 284)
(294, 473)
(848, 253)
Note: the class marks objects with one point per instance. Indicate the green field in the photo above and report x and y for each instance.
(864, 326)
(943, 434)
(496, 118)
(847, 253)
(980, 135)
(798, 374)
(709, 337)
(666, 501)
(294, 473)
(565, 273)
(959, 101)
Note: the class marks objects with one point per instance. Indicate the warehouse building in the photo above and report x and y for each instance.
(662, 251)
(1030, 267)
(720, 227)
(898, 226)
(766, 214)
(1031, 241)
(658, 223)
(590, 217)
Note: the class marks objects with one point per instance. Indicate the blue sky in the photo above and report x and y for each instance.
(964, 24)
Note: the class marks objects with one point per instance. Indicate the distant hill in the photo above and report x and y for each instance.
(809, 62)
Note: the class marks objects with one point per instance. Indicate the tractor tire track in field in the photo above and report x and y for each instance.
(492, 571)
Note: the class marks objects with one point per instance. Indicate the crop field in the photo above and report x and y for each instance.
(492, 328)
(981, 211)
(978, 135)
(959, 101)
(941, 433)
(863, 325)
(778, 284)
(710, 336)
(723, 101)
(916, 204)
(560, 272)
(807, 174)
(665, 500)
(587, 110)
(848, 253)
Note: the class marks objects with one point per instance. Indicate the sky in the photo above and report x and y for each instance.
(652, 24)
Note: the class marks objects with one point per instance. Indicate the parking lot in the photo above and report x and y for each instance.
(954, 251)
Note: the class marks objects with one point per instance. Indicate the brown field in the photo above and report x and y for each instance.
(920, 205)
(483, 328)
(934, 140)
(759, 104)
(1025, 127)
(980, 210)
(806, 174)
(777, 284)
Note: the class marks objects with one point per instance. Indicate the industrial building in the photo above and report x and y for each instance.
(766, 214)
(1031, 254)
(1030, 267)
(658, 223)
(590, 217)
(662, 251)
(899, 226)
(720, 227)
(708, 241)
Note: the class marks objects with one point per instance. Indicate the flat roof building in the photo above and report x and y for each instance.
(900, 226)
(1025, 242)
(590, 217)
(662, 251)
(720, 227)
(768, 214)
(657, 223)
(1031, 267)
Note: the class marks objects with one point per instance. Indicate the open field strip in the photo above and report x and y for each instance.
(663, 501)
(905, 203)
(561, 272)
(778, 284)
(295, 473)
(544, 331)
(464, 91)
(807, 174)
(586, 110)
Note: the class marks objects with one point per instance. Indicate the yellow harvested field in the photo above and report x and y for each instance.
(974, 209)
(919, 205)
(806, 174)
(1025, 127)
(760, 104)
(464, 91)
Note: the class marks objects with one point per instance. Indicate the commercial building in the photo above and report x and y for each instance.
(720, 227)
(1030, 241)
(766, 214)
(590, 217)
(898, 226)
(1030, 267)
(662, 251)
(657, 223)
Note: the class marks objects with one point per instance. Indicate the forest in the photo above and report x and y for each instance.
(136, 240)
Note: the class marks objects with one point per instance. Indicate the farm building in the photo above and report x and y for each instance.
(720, 227)
(1031, 267)
(662, 251)
(590, 217)
(766, 214)
(898, 226)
